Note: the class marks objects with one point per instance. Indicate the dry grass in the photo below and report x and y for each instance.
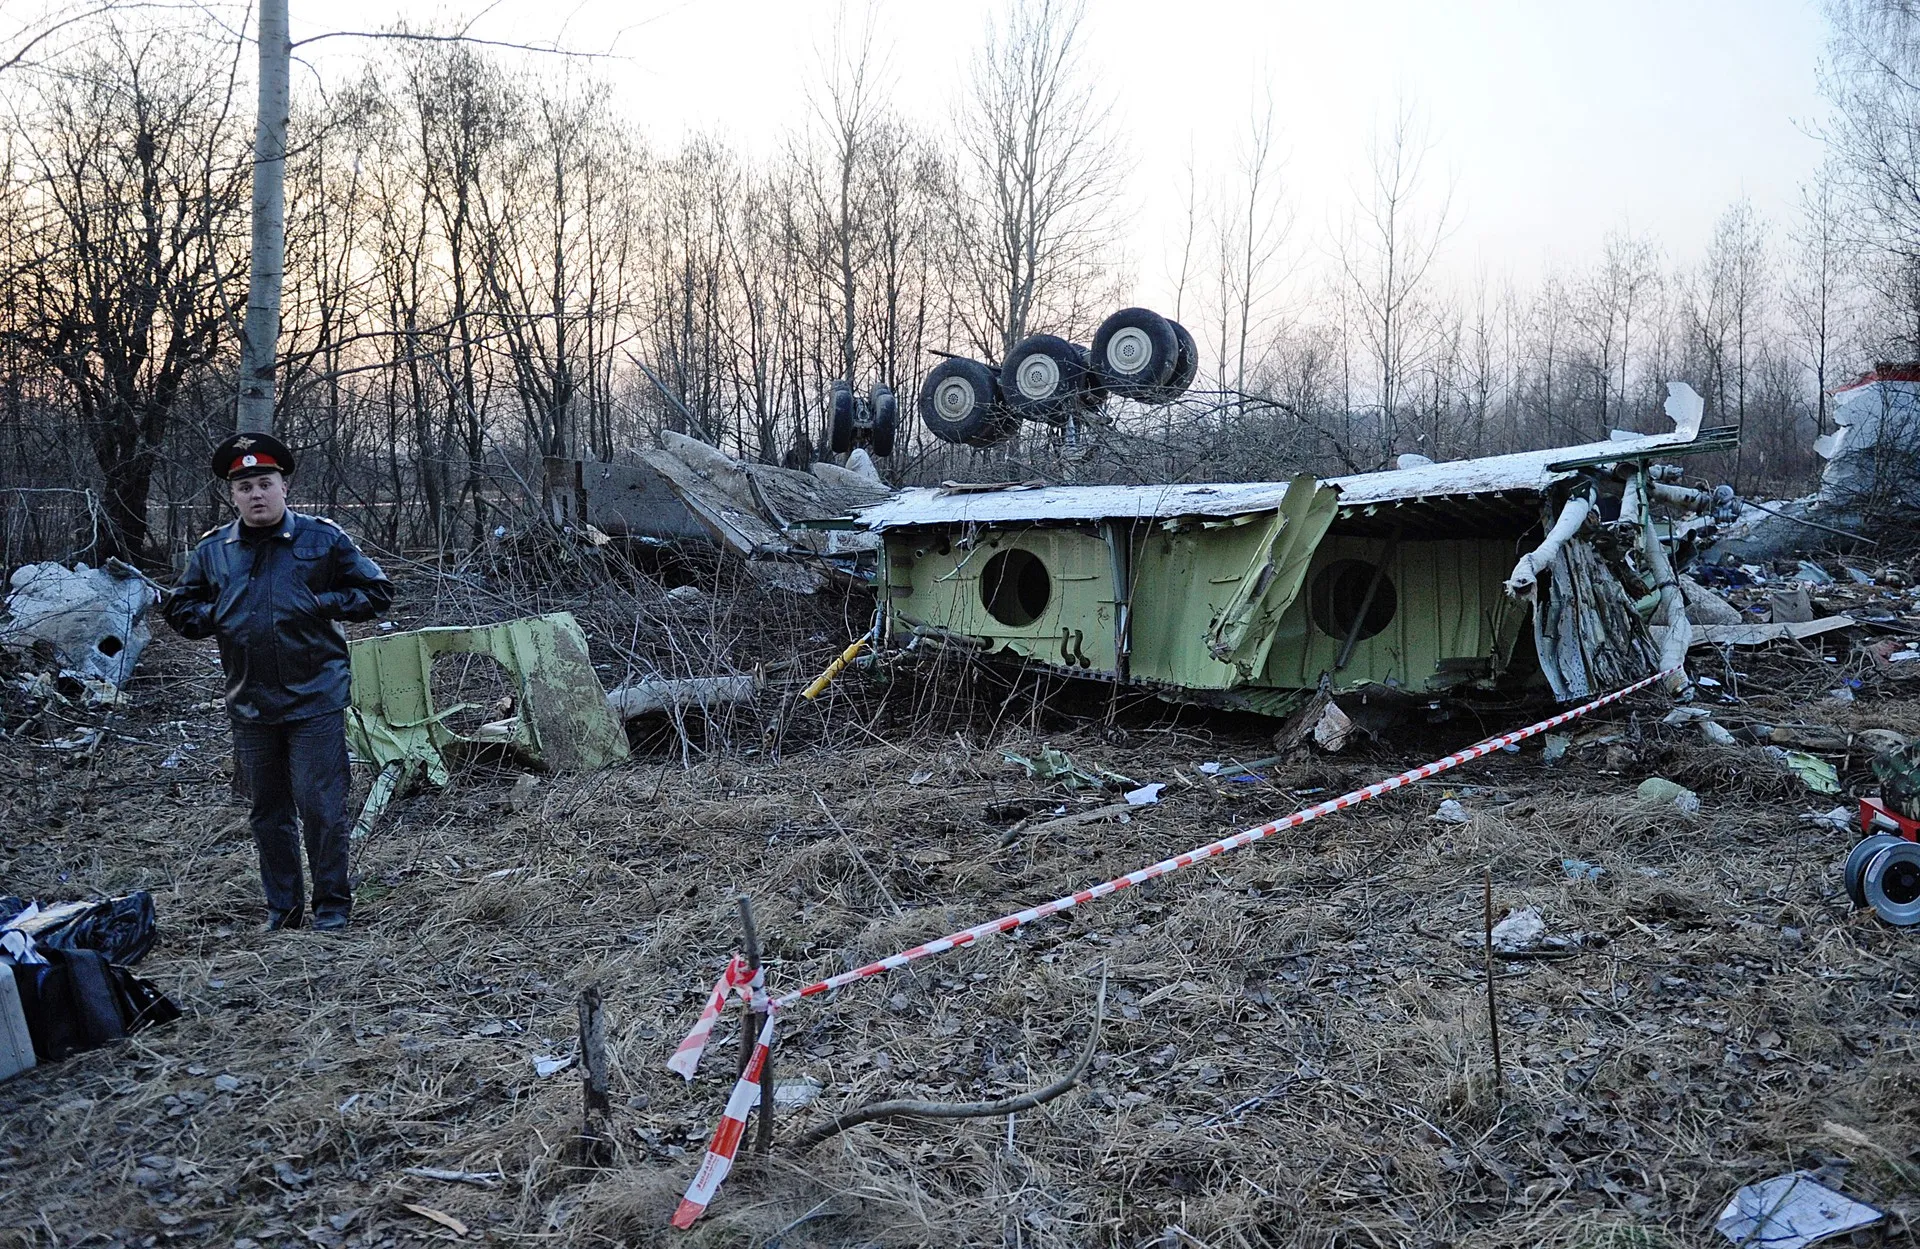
(1295, 1051)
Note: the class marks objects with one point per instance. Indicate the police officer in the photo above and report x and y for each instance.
(272, 587)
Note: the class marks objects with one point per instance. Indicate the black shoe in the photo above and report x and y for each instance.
(330, 921)
(278, 921)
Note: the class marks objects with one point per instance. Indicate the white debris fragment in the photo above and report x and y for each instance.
(95, 620)
(1521, 930)
(545, 1065)
(1686, 715)
(1145, 794)
(1333, 729)
(1451, 812)
(797, 1092)
(1791, 1211)
(1716, 733)
(1840, 819)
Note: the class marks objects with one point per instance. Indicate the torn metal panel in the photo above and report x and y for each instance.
(1437, 622)
(563, 722)
(1759, 634)
(622, 500)
(779, 519)
(93, 618)
(1243, 632)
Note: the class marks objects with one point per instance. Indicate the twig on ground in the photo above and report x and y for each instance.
(859, 858)
(907, 1106)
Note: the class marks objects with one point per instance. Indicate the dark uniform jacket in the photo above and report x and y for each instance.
(273, 604)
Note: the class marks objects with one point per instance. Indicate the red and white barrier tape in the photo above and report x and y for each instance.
(726, 1138)
(725, 1144)
(736, 977)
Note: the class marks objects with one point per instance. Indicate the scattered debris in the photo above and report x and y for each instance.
(661, 694)
(1818, 774)
(1522, 930)
(1660, 792)
(94, 619)
(1580, 869)
(1451, 812)
(1333, 729)
(1790, 1212)
(1052, 766)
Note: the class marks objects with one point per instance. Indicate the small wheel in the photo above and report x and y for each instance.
(1135, 351)
(886, 417)
(960, 402)
(840, 414)
(1891, 883)
(1857, 859)
(1043, 378)
(1184, 368)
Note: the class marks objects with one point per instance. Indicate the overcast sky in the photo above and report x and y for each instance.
(1552, 121)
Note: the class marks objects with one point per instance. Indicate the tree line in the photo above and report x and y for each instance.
(488, 264)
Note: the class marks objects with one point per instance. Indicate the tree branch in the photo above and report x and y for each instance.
(968, 1110)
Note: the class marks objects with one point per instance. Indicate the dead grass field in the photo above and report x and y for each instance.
(1296, 1048)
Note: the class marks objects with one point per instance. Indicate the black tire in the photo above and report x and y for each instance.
(840, 417)
(1044, 379)
(1857, 860)
(886, 418)
(960, 402)
(1135, 352)
(1184, 368)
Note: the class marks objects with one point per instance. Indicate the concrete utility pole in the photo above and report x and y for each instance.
(260, 339)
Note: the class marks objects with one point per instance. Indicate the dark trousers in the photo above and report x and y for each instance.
(299, 766)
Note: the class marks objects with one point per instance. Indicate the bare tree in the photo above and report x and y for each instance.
(135, 167)
(1814, 292)
(1872, 78)
(1041, 173)
(1252, 229)
(1387, 254)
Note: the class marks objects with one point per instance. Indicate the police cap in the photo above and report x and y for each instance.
(246, 454)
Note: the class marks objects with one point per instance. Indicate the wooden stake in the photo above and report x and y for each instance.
(1493, 1014)
(596, 1146)
(763, 1127)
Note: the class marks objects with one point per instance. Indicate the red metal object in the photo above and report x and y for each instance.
(1877, 817)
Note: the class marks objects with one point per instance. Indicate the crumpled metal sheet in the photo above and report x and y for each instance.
(563, 722)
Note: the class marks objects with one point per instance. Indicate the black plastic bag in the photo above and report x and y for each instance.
(121, 929)
(76, 1000)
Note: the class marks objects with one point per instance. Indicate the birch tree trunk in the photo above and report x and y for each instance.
(260, 339)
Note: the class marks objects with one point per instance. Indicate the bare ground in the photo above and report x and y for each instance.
(1296, 1049)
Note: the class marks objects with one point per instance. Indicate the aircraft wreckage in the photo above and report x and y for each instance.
(1550, 568)
(1249, 594)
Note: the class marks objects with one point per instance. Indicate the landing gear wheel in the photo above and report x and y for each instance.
(1891, 883)
(1044, 378)
(960, 402)
(840, 417)
(1184, 368)
(1857, 860)
(886, 417)
(1135, 351)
